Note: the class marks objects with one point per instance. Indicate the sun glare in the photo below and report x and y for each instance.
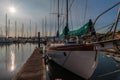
(12, 9)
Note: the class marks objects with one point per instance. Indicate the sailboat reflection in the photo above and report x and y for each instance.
(12, 60)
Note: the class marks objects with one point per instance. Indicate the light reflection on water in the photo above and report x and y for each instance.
(12, 57)
(12, 66)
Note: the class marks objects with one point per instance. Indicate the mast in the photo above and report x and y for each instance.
(1, 31)
(66, 29)
(42, 27)
(58, 20)
(67, 13)
(30, 28)
(6, 25)
(50, 33)
(22, 34)
(35, 29)
(8, 29)
(15, 29)
(45, 26)
(27, 34)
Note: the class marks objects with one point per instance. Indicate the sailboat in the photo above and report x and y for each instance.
(80, 59)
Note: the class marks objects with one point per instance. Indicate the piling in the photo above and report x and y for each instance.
(38, 39)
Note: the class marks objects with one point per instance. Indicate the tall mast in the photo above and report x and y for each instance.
(1, 31)
(30, 28)
(22, 34)
(15, 29)
(45, 26)
(66, 27)
(35, 29)
(58, 19)
(27, 34)
(67, 13)
(50, 33)
(6, 25)
(8, 29)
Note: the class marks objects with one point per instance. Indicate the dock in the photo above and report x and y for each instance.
(33, 69)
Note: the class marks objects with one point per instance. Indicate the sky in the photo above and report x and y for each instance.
(36, 11)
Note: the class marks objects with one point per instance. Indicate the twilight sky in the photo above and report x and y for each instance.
(36, 10)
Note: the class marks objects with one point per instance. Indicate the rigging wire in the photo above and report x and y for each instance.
(62, 3)
(81, 12)
(62, 22)
(71, 20)
(61, 13)
(109, 25)
(71, 4)
(70, 12)
(50, 18)
(109, 32)
(54, 19)
(86, 5)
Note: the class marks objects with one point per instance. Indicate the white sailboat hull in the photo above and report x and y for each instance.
(82, 63)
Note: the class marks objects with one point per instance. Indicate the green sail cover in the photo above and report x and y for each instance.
(81, 31)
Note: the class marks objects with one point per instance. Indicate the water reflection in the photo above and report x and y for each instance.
(12, 57)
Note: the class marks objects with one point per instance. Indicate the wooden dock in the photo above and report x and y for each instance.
(33, 69)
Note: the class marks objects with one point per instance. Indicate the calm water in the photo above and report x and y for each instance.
(12, 57)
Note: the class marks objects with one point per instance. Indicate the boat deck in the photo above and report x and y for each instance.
(33, 69)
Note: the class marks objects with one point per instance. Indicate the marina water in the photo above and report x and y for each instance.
(12, 57)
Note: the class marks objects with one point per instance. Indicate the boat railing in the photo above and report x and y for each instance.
(114, 25)
(105, 12)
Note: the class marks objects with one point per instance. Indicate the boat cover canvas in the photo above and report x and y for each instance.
(86, 28)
